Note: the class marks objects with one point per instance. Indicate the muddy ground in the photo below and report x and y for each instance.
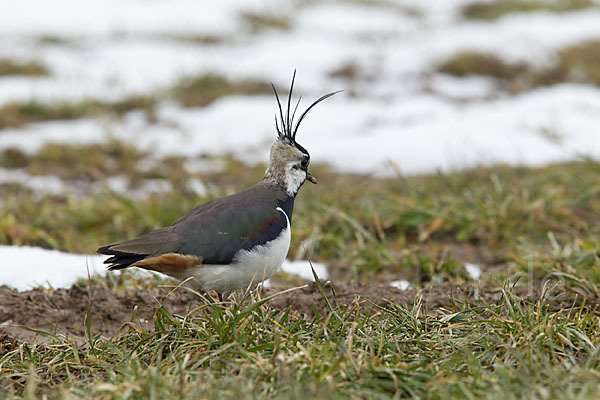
(65, 310)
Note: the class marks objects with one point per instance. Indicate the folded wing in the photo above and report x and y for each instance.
(212, 233)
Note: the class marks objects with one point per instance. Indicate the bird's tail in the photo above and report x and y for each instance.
(119, 259)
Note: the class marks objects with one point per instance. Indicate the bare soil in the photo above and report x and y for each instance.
(64, 311)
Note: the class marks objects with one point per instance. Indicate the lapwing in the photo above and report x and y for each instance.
(234, 242)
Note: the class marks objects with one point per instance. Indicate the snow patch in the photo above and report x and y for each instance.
(401, 284)
(473, 270)
(401, 116)
(43, 184)
(28, 267)
(302, 269)
(468, 88)
(420, 134)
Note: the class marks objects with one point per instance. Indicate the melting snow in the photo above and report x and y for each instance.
(396, 115)
(416, 135)
(27, 267)
(402, 285)
(473, 270)
(302, 269)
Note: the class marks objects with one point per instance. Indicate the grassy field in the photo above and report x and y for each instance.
(528, 328)
(577, 63)
(534, 232)
(510, 349)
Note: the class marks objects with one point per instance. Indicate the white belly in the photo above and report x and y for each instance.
(248, 268)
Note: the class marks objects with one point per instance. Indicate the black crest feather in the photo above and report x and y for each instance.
(286, 129)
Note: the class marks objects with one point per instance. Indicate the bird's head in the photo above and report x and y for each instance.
(288, 163)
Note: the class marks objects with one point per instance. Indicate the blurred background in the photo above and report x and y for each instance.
(117, 116)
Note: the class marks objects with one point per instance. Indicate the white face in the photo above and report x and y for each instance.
(288, 166)
(295, 176)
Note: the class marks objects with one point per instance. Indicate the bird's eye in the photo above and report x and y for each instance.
(304, 163)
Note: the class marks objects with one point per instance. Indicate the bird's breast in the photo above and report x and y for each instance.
(248, 267)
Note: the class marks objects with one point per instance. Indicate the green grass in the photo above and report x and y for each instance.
(582, 62)
(349, 70)
(364, 221)
(499, 8)
(576, 63)
(368, 225)
(31, 68)
(18, 114)
(199, 39)
(507, 349)
(260, 21)
(192, 91)
(51, 40)
(94, 163)
(529, 223)
(479, 63)
(199, 91)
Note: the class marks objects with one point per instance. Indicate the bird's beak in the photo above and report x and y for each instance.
(310, 178)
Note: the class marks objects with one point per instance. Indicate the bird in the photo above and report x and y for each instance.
(234, 242)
